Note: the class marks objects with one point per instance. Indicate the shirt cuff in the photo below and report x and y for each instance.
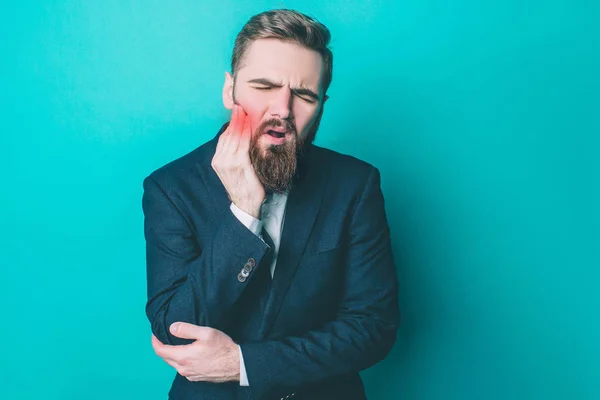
(243, 376)
(255, 225)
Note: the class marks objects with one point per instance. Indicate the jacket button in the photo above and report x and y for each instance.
(245, 273)
(241, 277)
(248, 267)
(251, 262)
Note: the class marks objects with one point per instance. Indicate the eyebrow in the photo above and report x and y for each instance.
(301, 90)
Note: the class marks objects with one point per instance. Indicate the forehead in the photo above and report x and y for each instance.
(282, 62)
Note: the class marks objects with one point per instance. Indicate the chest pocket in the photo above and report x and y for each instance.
(331, 256)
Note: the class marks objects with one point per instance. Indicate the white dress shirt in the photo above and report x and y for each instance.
(272, 218)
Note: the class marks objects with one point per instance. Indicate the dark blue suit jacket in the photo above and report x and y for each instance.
(333, 302)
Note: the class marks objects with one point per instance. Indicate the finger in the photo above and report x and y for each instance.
(245, 137)
(224, 138)
(159, 348)
(185, 330)
(219, 148)
(235, 118)
(155, 340)
(232, 129)
(156, 344)
(172, 354)
(237, 135)
(165, 351)
(222, 143)
(173, 364)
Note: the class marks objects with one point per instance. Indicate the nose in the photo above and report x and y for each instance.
(281, 104)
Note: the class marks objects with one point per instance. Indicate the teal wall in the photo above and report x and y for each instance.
(483, 118)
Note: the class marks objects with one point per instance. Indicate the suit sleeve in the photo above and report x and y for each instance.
(365, 326)
(187, 282)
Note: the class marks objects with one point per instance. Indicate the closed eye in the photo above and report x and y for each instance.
(305, 94)
(262, 87)
(306, 98)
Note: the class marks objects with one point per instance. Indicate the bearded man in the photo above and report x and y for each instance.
(269, 265)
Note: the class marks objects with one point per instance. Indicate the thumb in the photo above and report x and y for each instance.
(185, 330)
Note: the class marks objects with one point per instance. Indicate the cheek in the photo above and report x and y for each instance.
(253, 108)
(256, 117)
(305, 117)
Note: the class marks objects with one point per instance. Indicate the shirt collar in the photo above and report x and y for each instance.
(275, 199)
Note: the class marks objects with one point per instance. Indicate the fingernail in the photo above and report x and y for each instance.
(174, 327)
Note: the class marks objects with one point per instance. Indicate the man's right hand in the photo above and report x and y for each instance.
(232, 164)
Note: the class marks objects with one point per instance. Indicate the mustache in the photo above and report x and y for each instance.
(277, 123)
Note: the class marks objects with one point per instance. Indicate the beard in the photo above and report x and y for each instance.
(276, 165)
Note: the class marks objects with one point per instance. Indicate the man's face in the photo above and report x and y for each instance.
(278, 84)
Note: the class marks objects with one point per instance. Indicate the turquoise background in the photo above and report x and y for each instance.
(483, 118)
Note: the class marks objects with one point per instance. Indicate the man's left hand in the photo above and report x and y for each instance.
(213, 357)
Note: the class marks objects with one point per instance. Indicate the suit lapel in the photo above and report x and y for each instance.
(303, 204)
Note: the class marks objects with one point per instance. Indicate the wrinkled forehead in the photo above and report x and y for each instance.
(282, 62)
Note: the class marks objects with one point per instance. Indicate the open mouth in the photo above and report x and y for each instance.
(275, 134)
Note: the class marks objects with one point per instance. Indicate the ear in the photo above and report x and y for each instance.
(325, 98)
(228, 91)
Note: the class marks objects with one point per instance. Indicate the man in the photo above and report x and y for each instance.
(270, 272)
